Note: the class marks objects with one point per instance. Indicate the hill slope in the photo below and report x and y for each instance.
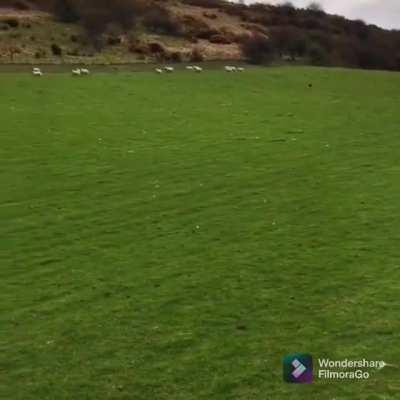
(131, 30)
(35, 35)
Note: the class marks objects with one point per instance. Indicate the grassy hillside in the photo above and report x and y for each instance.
(170, 32)
(173, 237)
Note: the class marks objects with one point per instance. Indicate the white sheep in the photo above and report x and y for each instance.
(76, 72)
(159, 70)
(169, 69)
(230, 68)
(190, 67)
(197, 69)
(240, 69)
(37, 71)
(85, 71)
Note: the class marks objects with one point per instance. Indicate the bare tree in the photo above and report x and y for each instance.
(315, 6)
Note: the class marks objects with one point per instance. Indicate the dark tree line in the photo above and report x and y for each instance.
(320, 38)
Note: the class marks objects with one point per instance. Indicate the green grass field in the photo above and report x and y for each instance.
(173, 237)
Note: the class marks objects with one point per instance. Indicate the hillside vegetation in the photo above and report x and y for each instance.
(188, 30)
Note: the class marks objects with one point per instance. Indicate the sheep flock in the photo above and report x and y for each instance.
(36, 71)
(197, 69)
